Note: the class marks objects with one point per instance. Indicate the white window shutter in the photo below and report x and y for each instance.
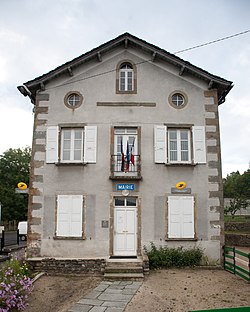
(174, 217)
(199, 144)
(69, 215)
(188, 217)
(63, 215)
(90, 144)
(181, 217)
(52, 144)
(160, 144)
(76, 216)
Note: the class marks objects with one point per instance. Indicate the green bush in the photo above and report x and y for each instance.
(164, 257)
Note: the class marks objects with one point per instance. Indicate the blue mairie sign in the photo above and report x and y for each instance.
(125, 186)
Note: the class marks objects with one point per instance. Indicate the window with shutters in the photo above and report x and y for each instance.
(179, 145)
(67, 145)
(70, 216)
(180, 217)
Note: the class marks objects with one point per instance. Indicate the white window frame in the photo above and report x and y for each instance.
(72, 148)
(196, 145)
(55, 144)
(179, 148)
(126, 69)
(70, 216)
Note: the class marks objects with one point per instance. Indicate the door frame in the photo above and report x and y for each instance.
(111, 228)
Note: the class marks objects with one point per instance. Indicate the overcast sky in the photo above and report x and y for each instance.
(36, 36)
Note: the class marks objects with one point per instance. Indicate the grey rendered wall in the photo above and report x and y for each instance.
(155, 81)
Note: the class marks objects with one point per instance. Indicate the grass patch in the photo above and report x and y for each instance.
(228, 218)
(164, 257)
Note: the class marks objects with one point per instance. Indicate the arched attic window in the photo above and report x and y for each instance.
(126, 77)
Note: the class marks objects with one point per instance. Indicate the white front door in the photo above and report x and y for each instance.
(125, 226)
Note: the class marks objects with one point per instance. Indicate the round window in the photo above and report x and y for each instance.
(73, 99)
(177, 99)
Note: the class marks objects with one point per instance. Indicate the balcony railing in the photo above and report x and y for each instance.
(131, 168)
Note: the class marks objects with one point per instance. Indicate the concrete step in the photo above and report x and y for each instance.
(123, 276)
(123, 269)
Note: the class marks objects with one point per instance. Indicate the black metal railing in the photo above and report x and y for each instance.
(125, 166)
(9, 238)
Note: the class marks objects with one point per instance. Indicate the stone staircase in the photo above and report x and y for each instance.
(124, 269)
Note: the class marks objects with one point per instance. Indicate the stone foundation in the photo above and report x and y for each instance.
(242, 240)
(55, 266)
(243, 227)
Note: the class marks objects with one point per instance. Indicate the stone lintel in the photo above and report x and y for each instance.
(124, 104)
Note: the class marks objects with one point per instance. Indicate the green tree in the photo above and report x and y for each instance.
(237, 187)
(14, 168)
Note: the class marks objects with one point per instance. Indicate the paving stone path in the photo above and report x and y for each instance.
(108, 297)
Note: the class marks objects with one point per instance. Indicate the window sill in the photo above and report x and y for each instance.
(181, 239)
(70, 164)
(125, 177)
(181, 164)
(68, 238)
(126, 92)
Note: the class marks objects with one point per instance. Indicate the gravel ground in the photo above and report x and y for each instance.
(178, 290)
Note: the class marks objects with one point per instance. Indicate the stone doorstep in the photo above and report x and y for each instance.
(124, 276)
(123, 269)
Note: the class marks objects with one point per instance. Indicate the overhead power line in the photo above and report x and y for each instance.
(147, 61)
(214, 41)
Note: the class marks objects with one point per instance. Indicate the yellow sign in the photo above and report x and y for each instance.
(181, 185)
(22, 186)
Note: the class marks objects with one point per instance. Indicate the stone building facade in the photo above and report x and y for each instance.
(126, 151)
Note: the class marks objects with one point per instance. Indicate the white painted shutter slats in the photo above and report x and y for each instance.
(69, 215)
(160, 142)
(90, 143)
(188, 217)
(52, 144)
(174, 217)
(181, 217)
(199, 144)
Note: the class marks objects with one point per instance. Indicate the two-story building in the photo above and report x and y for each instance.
(126, 151)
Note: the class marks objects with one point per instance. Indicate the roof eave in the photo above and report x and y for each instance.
(127, 40)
